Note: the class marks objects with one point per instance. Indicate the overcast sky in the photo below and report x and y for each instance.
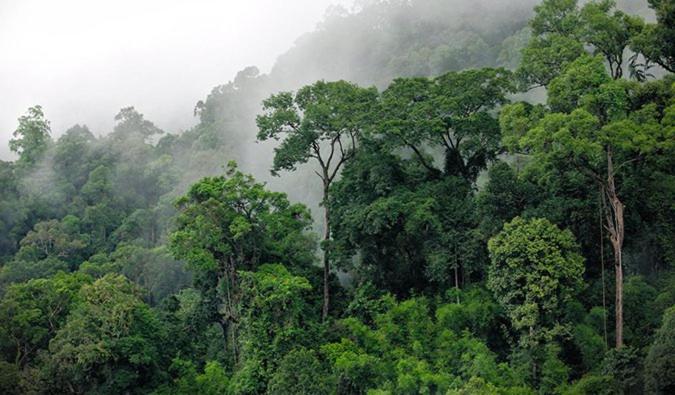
(83, 60)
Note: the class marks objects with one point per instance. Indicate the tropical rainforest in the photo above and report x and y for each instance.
(419, 198)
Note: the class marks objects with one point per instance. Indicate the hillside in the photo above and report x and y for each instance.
(422, 196)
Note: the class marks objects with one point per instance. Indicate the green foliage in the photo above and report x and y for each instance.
(544, 58)
(111, 342)
(72, 155)
(300, 372)
(553, 44)
(584, 76)
(624, 366)
(475, 311)
(642, 318)
(213, 381)
(655, 42)
(562, 32)
(407, 350)
(234, 219)
(659, 365)
(32, 312)
(271, 324)
(452, 112)
(504, 197)
(9, 378)
(608, 31)
(554, 372)
(475, 385)
(53, 239)
(17, 271)
(407, 231)
(591, 384)
(535, 271)
(332, 113)
(591, 344)
(153, 269)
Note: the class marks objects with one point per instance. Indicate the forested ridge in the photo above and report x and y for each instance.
(420, 197)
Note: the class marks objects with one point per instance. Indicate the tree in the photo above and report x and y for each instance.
(72, 155)
(608, 33)
(535, 270)
(452, 112)
(404, 220)
(624, 366)
(9, 378)
(131, 124)
(111, 342)
(553, 44)
(321, 122)
(656, 41)
(503, 198)
(32, 312)
(410, 348)
(229, 224)
(399, 226)
(300, 372)
(273, 308)
(593, 126)
(32, 137)
(187, 381)
(561, 32)
(659, 364)
(52, 239)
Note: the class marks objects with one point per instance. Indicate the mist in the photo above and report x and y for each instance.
(83, 61)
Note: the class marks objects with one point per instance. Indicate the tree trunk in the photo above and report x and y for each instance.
(456, 276)
(615, 226)
(326, 262)
(228, 313)
(457, 283)
(618, 297)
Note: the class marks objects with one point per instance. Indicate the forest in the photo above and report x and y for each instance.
(417, 199)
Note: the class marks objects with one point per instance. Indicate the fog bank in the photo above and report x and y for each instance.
(83, 60)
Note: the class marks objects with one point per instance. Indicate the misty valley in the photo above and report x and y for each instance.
(419, 197)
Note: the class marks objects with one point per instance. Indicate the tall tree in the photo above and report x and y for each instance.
(536, 270)
(657, 41)
(32, 312)
(562, 31)
(130, 123)
(228, 224)
(32, 137)
(554, 42)
(578, 80)
(322, 123)
(272, 323)
(609, 32)
(452, 112)
(111, 342)
(404, 206)
(593, 126)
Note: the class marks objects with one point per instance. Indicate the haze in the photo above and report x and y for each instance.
(83, 60)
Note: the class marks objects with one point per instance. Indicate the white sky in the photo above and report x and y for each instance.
(83, 60)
